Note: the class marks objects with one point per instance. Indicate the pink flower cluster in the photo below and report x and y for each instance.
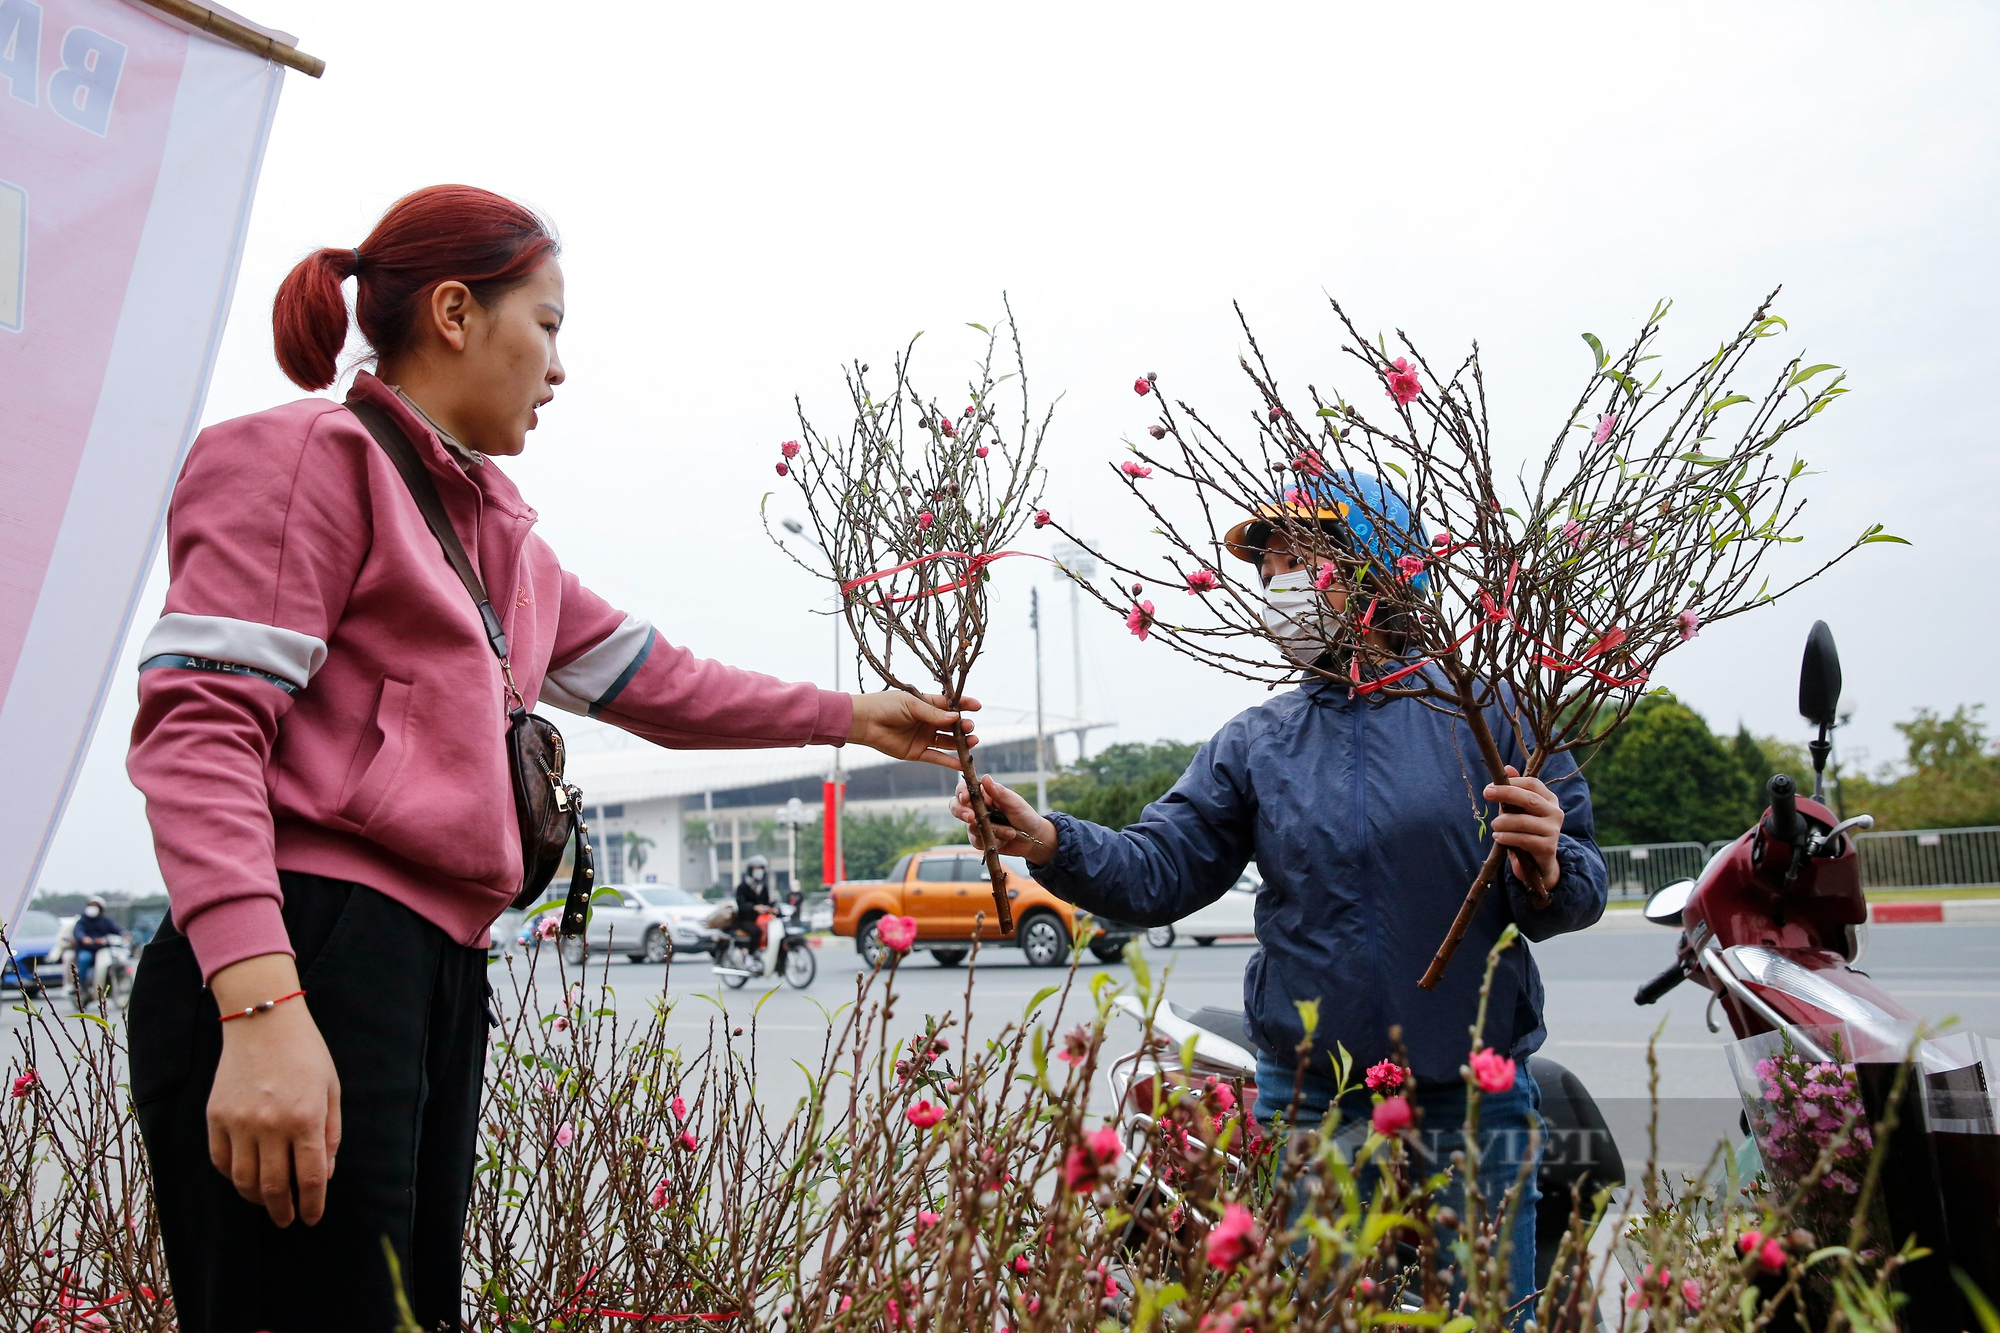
(1136, 471)
(1235, 1238)
(1085, 1164)
(1203, 580)
(1404, 386)
(1385, 1075)
(790, 450)
(1493, 1071)
(898, 932)
(1805, 1105)
(26, 1083)
(1140, 620)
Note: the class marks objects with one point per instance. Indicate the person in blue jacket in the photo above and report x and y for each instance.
(1369, 818)
(93, 928)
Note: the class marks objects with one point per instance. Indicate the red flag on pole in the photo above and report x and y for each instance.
(833, 864)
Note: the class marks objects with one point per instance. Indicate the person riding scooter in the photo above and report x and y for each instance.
(93, 929)
(1362, 816)
(755, 898)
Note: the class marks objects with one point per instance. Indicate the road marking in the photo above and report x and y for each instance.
(1638, 1045)
(1950, 994)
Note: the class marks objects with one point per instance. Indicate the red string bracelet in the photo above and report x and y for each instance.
(263, 1008)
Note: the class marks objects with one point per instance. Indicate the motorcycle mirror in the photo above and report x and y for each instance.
(1664, 908)
(1819, 677)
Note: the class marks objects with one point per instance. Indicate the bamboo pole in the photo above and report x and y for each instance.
(236, 34)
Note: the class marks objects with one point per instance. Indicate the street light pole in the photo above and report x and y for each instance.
(1041, 743)
(832, 872)
(1078, 564)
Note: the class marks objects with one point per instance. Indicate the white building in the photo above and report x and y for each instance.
(631, 786)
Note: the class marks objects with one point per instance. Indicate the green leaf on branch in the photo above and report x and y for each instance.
(981, 327)
(1766, 328)
(1704, 460)
(1596, 347)
(1327, 412)
(1802, 376)
(1875, 534)
(1731, 401)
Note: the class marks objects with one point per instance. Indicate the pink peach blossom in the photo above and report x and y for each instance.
(658, 1198)
(679, 1108)
(1392, 1116)
(982, 451)
(924, 1114)
(1137, 471)
(1690, 624)
(1384, 1074)
(783, 470)
(1234, 1238)
(1076, 1046)
(1404, 386)
(1605, 425)
(898, 932)
(1493, 1071)
(27, 1083)
(564, 1135)
(1409, 566)
(1042, 519)
(548, 927)
(1140, 620)
(924, 520)
(1309, 463)
(1142, 386)
(688, 1141)
(790, 448)
(1203, 580)
(1324, 578)
(1442, 540)
(946, 425)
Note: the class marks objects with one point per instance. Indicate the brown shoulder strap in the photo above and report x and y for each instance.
(423, 490)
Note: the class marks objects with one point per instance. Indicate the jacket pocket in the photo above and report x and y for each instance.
(376, 760)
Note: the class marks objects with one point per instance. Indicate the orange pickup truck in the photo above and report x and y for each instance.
(945, 888)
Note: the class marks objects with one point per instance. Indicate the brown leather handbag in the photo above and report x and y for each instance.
(549, 809)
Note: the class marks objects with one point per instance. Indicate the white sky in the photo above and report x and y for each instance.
(751, 194)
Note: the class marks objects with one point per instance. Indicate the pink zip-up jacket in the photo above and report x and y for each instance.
(319, 696)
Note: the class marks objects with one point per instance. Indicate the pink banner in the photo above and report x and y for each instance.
(85, 92)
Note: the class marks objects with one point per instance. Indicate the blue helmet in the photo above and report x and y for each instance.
(1372, 518)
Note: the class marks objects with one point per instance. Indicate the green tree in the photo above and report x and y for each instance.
(1665, 777)
(1952, 778)
(1114, 786)
(869, 843)
(636, 847)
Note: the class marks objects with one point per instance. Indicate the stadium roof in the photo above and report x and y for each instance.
(615, 766)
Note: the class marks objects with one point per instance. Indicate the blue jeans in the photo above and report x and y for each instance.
(1508, 1124)
(86, 962)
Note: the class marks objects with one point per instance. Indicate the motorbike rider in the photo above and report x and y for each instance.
(1364, 819)
(93, 929)
(754, 896)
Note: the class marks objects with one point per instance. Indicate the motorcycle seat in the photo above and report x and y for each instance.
(1229, 1024)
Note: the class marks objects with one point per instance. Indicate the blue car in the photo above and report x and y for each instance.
(34, 962)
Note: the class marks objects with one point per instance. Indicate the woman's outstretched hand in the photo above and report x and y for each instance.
(1025, 834)
(904, 726)
(274, 1112)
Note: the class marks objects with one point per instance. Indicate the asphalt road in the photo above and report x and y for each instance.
(1940, 971)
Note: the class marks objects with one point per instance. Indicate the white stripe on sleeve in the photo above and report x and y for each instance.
(592, 681)
(285, 653)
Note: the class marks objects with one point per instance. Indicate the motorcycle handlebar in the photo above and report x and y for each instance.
(1660, 985)
(1784, 808)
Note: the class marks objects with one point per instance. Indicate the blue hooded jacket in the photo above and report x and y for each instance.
(1367, 821)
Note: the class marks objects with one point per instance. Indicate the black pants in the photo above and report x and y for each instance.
(403, 1011)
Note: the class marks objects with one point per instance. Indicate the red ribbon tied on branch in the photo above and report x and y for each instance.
(975, 565)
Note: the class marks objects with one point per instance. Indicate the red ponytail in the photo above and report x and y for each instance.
(446, 233)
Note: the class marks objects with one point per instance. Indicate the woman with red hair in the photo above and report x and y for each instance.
(321, 743)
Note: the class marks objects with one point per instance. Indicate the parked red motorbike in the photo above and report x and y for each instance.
(1774, 927)
(1777, 920)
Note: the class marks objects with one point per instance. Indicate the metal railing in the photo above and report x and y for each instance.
(1903, 859)
(1643, 869)
(1929, 858)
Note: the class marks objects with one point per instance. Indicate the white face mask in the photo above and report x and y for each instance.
(1297, 616)
(93, 911)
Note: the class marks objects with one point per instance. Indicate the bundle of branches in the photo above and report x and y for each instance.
(1551, 596)
(924, 1176)
(909, 507)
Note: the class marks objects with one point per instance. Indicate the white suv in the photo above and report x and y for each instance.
(640, 923)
